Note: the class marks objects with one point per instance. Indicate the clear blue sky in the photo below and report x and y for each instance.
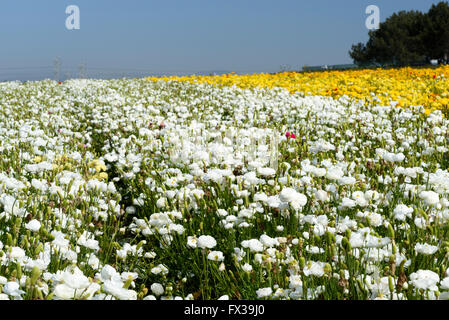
(187, 35)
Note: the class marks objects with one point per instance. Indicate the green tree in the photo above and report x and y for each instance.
(359, 53)
(436, 33)
(400, 40)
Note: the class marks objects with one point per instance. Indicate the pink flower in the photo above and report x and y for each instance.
(290, 135)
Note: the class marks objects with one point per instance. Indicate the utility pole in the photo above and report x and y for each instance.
(57, 69)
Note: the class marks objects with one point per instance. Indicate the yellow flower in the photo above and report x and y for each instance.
(407, 86)
(101, 176)
(97, 165)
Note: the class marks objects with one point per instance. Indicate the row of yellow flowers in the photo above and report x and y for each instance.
(407, 86)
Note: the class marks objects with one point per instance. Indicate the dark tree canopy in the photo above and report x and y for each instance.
(407, 37)
(436, 38)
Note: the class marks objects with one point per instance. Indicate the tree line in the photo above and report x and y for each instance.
(407, 37)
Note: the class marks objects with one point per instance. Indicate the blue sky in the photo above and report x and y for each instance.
(185, 35)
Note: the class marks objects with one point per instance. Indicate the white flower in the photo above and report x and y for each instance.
(39, 185)
(88, 242)
(425, 248)
(250, 178)
(288, 195)
(254, 245)
(12, 288)
(334, 173)
(215, 256)
(93, 261)
(111, 157)
(401, 212)
(107, 272)
(425, 279)
(375, 219)
(319, 230)
(348, 203)
(268, 241)
(17, 253)
(372, 195)
(296, 199)
(314, 268)
(150, 255)
(381, 288)
(314, 249)
(64, 291)
(262, 197)
(444, 284)
(266, 172)
(420, 222)
(322, 195)
(116, 289)
(247, 267)
(295, 281)
(160, 203)
(157, 289)
(273, 201)
(347, 181)
(264, 292)
(75, 279)
(206, 242)
(393, 157)
(159, 269)
(192, 241)
(429, 197)
(33, 225)
(359, 198)
(222, 212)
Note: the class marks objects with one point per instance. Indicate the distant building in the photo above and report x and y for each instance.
(331, 67)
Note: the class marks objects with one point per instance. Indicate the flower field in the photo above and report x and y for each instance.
(403, 87)
(227, 187)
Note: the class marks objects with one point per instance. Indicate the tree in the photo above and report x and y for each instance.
(359, 53)
(436, 34)
(407, 37)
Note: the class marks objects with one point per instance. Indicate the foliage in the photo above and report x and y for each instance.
(407, 37)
